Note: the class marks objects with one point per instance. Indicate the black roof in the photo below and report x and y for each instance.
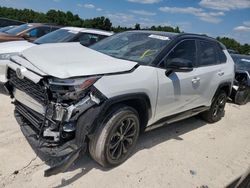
(7, 22)
(167, 34)
(172, 35)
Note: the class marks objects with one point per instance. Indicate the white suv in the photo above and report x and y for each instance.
(69, 98)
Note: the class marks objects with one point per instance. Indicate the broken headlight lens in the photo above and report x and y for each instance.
(71, 89)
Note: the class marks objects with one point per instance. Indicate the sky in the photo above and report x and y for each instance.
(229, 18)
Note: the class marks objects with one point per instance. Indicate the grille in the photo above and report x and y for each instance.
(32, 89)
(33, 118)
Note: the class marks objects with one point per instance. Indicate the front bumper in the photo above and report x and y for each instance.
(3, 70)
(41, 147)
(3, 89)
(49, 126)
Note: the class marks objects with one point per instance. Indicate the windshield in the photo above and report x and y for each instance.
(242, 62)
(18, 29)
(3, 29)
(61, 35)
(134, 46)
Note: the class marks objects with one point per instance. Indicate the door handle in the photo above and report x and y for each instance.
(221, 73)
(195, 80)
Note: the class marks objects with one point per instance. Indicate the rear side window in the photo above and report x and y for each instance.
(222, 56)
(208, 54)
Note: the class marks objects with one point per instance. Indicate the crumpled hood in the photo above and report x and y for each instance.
(67, 60)
(15, 46)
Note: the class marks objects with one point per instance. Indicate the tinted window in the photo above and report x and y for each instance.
(60, 35)
(222, 56)
(208, 55)
(183, 55)
(134, 46)
(19, 29)
(38, 32)
(4, 29)
(88, 39)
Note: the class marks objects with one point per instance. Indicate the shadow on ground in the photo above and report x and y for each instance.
(146, 141)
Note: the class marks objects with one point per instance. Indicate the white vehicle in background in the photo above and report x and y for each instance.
(85, 36)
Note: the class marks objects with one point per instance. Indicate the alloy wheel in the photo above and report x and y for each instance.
(122, 138)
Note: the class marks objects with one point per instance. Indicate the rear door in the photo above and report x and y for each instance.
(178, 91)
(209, 70)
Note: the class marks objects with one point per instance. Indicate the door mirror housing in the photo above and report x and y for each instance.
(179, 65)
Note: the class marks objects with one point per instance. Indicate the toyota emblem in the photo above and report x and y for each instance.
(20, 71)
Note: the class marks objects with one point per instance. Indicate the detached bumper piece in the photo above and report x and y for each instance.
(4, 89)
(30, 123)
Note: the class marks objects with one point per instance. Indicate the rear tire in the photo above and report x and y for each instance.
(217, 109)
(115, 139)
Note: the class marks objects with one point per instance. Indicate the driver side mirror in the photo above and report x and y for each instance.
(179, 65)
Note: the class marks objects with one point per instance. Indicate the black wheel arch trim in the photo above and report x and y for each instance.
(92, 117)
(224, 85)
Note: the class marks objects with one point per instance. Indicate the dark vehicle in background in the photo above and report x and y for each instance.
(231, 51)
(7, 22)
(241, 89)
(4, 29)
(30, 32)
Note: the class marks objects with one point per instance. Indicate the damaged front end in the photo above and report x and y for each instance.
(48, 112)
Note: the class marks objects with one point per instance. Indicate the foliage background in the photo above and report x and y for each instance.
(69, 19)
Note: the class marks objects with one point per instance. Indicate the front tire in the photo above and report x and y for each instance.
(217, 109)
(114, 141)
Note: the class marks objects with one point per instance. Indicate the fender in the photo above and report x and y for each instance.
(89, 120)
(143, 97)
(227, 85)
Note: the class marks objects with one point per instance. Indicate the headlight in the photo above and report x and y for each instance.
(78, 84)
(7, 56)
(73, 89)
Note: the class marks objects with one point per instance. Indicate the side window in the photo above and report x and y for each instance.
(102, 37)
(183, 55)
(32, 33)
(208, 54)
(88, 39)
(38, 32)
(222, 56)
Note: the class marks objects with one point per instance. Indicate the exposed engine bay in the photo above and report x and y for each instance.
(48, 112)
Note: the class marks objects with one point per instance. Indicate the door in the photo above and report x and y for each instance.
(178, 91)
(210, 69)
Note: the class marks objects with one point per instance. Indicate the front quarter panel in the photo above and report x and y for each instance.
(141, 80)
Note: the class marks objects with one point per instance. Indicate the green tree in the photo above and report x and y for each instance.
(69, 19)
(137, 26)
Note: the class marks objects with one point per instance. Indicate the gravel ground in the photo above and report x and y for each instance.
(190, 153)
